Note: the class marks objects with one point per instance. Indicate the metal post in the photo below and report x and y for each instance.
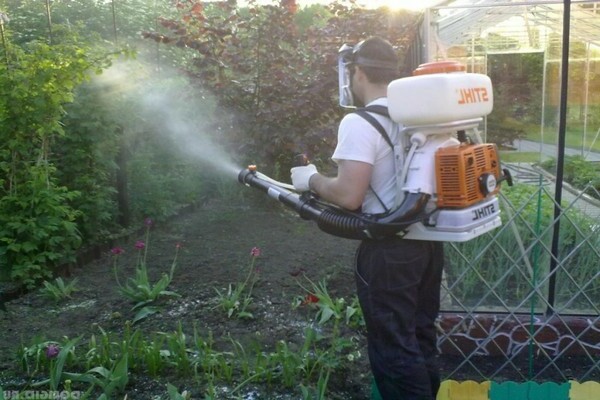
(426, 57)
(561, 155)
(586, 98)
(156, 27)
(543, 116)
(49, 19)
(114, 20)
(4, 19)
(487, 72)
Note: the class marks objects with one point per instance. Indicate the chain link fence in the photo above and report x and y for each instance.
(513, 309)
(523, 302)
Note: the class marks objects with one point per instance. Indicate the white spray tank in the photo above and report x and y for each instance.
(448, 182)
(439, 105)
(440, 93)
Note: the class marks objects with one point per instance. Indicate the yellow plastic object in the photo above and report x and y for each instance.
(467, 390)
(584, 391)
(529, 391)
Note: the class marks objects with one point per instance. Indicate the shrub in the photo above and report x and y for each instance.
(37, 230)
(578, 172)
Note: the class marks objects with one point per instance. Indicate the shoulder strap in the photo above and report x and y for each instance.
(381, 110)
(376, 109)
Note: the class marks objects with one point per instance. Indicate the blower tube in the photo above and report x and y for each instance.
(339, 222)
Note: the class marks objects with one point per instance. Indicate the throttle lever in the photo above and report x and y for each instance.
(506, 176)
(301, 160)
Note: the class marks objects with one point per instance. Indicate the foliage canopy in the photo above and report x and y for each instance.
(93, 157)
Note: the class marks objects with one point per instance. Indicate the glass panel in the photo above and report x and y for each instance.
(510, 297)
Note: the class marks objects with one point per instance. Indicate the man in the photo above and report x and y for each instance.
(398, 281)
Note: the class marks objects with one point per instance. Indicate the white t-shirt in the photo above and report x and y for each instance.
(358, 140)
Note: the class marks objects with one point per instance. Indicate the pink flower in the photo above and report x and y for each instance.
(117, 250)
(255, 252)
(178, 245)
(52, 351)
(139, 245)
(148, 222)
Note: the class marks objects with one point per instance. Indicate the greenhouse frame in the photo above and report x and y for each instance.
(524, 302)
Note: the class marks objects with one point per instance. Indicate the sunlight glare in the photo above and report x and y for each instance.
(412, 5)
(399, 4)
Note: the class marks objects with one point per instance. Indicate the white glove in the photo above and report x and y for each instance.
(301, 176)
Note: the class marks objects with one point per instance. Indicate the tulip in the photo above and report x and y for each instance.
(255, 252)
(117, 250)
(52, 351)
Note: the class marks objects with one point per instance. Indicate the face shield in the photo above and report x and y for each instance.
(348, 57)
(345, 62)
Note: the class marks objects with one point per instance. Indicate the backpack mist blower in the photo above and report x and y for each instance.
(449, 181)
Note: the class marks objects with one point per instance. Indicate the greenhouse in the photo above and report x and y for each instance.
(493, 36)
(544, 60)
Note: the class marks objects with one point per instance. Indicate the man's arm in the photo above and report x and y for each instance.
(348, 188)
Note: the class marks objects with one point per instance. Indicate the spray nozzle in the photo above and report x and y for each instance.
(301, 160)
(247, 174)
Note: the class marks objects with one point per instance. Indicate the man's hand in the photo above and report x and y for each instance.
(301, 177)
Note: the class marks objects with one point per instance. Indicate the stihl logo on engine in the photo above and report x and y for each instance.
(483, 212)
(473, 95)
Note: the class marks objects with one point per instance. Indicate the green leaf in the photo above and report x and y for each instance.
(84, 377)
(144, 313)
(56, 374)
(350, 311)
(169, 293)
(119, 376)
(245, 314)
(103, 372)
(173, 392)
(141, 304)
(326, 314)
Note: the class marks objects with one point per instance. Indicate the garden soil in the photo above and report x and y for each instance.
(215, 240)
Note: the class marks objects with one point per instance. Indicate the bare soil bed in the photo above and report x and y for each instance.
(216, 240)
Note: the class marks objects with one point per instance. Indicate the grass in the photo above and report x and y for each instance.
(574, 136)
(519, 157)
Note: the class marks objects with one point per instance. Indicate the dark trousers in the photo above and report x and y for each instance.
(398, 285)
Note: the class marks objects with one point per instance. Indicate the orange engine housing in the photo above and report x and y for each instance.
(459, 171)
